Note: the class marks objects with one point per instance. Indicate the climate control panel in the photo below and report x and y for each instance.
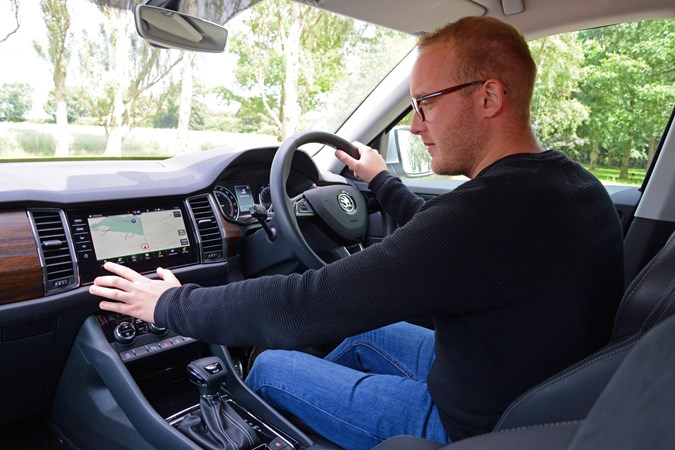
(134, 338)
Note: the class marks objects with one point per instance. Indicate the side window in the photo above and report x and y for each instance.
(603, 96)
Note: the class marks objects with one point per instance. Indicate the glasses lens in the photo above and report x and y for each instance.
(417, 109)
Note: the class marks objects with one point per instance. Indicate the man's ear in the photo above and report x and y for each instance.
(493, 97)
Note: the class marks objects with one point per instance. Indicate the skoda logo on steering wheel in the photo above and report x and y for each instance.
(347, 202)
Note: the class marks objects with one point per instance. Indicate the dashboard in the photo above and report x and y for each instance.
(180, 212)
(60, 221)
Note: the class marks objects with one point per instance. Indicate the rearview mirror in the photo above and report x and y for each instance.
(166, 28)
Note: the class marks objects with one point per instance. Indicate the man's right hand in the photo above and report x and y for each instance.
(370, 164)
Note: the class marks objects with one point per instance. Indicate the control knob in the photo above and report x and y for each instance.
(124, 333)
(154, 329)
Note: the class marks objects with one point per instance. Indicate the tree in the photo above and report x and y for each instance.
(57, 20)
(307, 47)
(632, 78)
(138, 85)
(15, 101)
(75, 106)
(14, 12)
(218, 11)
(556, 113)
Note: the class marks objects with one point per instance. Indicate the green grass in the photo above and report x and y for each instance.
(31, 141)
(610, 175)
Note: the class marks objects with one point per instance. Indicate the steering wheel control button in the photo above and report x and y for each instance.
(303, 208)
(124, 333)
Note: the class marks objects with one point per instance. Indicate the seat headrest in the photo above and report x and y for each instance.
(650, 297)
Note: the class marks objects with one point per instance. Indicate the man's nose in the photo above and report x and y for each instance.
(416, 126)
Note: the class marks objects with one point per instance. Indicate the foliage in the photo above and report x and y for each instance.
(75, 105)
(56, 18)
(604, 95)
(133, 79)
(15, 101)
(631, 80)
(557, 113)
(167, 117)
(308, 48)
(57, 21)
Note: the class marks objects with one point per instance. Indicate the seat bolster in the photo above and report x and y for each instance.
(568, 395)
(650, 297)
(408, 443)
(551, 436)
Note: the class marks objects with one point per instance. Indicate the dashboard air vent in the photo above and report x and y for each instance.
(59, 267)
(209, 228)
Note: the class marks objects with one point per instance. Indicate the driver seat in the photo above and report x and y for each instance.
(562, 402)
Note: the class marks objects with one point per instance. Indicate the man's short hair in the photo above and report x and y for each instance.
(489, 48)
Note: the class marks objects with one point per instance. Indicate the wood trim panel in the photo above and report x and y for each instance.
(20, 270)
(233, 237)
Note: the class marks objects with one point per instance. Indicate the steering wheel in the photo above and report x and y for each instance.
(341, 207)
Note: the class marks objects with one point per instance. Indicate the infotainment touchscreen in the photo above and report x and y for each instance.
(142, 239)
(137, 233)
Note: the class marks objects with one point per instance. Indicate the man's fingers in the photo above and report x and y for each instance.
(343, 156)
(105, 292)
(113, 282)
(113, 306)
(123, 271)
(362, 149)
(167, 275)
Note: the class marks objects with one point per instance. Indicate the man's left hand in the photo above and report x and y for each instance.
(134, 294)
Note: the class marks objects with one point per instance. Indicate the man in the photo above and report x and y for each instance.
(521, 269)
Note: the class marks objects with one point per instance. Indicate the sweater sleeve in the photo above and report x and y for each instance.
(395, 198)
(369, 289)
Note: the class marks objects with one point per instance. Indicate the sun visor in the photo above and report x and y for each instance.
(413, 17)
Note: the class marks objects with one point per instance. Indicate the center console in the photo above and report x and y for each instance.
(126, 385)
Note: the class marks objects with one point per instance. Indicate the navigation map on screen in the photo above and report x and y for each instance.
(132, 234)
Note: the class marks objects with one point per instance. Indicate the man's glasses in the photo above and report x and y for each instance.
(415, 102)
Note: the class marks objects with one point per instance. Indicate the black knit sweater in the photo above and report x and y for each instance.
(521, 269)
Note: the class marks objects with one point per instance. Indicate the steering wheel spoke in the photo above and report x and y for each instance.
(340, 207)
(302, 208)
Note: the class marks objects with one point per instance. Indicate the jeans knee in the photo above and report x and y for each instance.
(265, 367)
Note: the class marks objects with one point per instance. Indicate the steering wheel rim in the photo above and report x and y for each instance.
(284, 206)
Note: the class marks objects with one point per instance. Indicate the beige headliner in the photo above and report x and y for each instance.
(539, 18)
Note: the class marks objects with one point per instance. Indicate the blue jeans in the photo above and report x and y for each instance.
(371, 387)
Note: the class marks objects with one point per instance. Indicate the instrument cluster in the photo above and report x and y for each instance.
(235, 200)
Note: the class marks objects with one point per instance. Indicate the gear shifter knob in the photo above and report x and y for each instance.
(207, 374)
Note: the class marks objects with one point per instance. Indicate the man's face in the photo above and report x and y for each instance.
(450, 130)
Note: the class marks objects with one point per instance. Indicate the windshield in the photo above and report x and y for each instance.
(78, 81)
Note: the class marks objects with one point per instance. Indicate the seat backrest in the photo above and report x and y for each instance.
(636, 410)
(569, 395)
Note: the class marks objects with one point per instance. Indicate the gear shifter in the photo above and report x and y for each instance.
(207, 374)
(215, 426)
